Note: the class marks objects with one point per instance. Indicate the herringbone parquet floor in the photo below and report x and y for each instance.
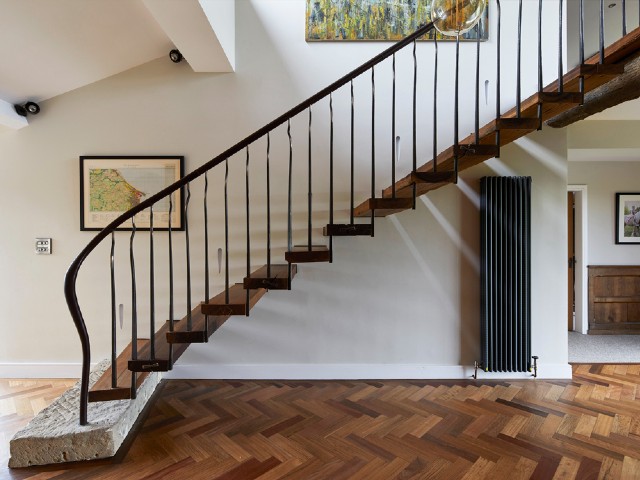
(585, 428)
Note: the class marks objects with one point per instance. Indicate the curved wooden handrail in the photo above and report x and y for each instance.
(72, 272)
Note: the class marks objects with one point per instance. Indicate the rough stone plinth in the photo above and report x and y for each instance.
(55, 435)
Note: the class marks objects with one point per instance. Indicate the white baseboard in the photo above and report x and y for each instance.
(297, 371)
(41, 370)
(354, 372)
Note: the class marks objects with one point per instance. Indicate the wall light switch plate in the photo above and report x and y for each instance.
(43, 246)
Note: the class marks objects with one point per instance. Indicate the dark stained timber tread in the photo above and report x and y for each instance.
(304, 254)
(347, 230)
(275, 279)
(237, 301)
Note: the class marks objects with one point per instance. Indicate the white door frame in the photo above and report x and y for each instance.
(581, 238)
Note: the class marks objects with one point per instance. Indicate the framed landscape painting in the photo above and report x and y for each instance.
(111, 185)
(628, 218)
(375, 20)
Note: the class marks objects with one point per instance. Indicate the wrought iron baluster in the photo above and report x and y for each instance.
(268, 209)
(352, 156)
(309, 194)
(331, 174)
(114, 355)
(435, 105)
(246, 176)
(498, 91)
(560, 67)
(519, 63)
(188, 254)
(456, 140)
(226, 232)
(206, 255)
(540, 62)
(477, 106)
(170, 231)
(393, 131)
(373, 144)
(415, 131)
(152, 298)
(289, 219)
(601, 32)
(624, 18)
(134, 308)
(581, 43)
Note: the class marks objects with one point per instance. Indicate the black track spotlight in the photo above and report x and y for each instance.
(175, 56)
(31, 108)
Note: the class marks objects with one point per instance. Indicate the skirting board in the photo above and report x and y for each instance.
(324, 371)
(355, 372)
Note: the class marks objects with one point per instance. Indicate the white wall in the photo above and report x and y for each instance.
(403, 304)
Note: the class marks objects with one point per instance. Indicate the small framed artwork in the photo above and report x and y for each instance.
(628, 218)
(111, 185)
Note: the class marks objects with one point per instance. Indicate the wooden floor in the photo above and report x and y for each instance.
(585, 428)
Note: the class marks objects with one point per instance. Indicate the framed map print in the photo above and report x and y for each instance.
(109, 186)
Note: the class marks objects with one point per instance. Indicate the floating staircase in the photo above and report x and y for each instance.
(159, 353)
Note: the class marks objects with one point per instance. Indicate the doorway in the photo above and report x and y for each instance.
(571, 250)
(577, 279)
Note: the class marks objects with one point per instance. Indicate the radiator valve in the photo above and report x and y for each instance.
(535, 366)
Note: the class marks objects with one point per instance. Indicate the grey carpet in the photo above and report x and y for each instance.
(604, 348)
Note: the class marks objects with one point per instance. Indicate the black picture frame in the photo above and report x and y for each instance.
(627, 227)
(110, 183)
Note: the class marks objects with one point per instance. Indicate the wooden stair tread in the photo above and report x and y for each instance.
(433, 177)
(347, 230)
(594, 76)
(278, 280)
(304, 254)
(237, 301)
(382, 206)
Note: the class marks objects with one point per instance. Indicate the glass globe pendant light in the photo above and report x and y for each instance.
(455, 17)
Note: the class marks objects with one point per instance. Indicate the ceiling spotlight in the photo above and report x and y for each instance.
(175, 56)
(31, 108)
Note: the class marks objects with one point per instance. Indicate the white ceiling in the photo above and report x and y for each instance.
(51, 47)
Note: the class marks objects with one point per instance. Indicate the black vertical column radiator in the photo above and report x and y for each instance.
(505, 273)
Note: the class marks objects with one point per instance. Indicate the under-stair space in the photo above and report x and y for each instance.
(242, 291)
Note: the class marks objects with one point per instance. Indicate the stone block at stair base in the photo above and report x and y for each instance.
(55, 435)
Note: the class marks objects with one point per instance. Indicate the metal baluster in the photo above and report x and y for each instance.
(289, 226)
(581, 44)
(268, 210)
(206, 256)
(435, 105)
(456, 140)
(186, 239)
(373, 144)
(540, 62)
(393, 131)
(226, 232)
(415, 132)
(601, 23)
(152, 298)
(134, 308)
(560, 68)
(309, 194)
(477, 112)
(519, 63)
(246, 176)
(351, 197)
(624, 18)
(331, 174)
(114, 358)
(171, 327)
(498, 112)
